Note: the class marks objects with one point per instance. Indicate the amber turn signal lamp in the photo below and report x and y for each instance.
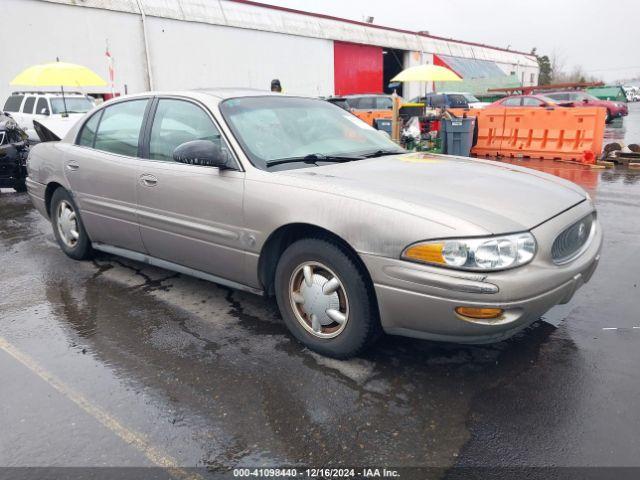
(430, 253)
(480, 313)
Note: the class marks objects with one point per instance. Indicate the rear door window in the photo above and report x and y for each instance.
(512, 102)
(42, 108)
(119, 129)
(366, 103)
(29, 103)
(384, 103)
(13, 103)
(531, 102)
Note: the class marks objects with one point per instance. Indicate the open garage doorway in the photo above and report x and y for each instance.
(393, 64)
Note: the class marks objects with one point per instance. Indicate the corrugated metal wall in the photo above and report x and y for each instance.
(189, 55)
(202, 44)
(229, 13)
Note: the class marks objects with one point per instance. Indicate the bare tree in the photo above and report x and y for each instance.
(558, 64)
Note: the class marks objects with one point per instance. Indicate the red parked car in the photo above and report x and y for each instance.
(564, 99)
(583, 99)
(524, 101)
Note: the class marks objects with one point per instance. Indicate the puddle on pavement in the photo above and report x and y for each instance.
(213, 376)
(213, 372)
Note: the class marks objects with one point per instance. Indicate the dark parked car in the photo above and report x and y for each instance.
(368, 108)
(443, 100)
(13, 154)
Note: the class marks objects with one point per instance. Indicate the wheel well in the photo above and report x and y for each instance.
(48, 195)
(284, 236)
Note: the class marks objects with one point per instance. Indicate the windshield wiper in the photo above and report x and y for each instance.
(382, 153)
(313, 158)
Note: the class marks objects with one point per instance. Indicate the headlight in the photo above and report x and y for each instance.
(480, 254)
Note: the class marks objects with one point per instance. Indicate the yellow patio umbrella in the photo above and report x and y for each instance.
(60, 74)
(427, 73)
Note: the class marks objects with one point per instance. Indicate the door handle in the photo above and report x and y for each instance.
(147, 180)
(73, 166)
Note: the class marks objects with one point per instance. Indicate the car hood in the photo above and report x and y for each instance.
(59, 125)
(495, 197)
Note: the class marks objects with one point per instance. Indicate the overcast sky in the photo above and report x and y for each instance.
(598, 35)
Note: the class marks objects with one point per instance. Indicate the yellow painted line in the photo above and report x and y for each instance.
(131, 437)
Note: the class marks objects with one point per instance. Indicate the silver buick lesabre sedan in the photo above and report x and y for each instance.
(294, 197)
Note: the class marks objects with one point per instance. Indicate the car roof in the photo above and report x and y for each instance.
(217, 93)
(49, 94)
(224, 93)
(358, 95)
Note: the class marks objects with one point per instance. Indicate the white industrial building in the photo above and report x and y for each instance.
(183, 44)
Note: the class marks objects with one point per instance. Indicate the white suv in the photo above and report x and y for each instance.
(48, 109)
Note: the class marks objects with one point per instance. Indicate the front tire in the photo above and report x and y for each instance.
(326, 298)
(68, 227)
(608, 118)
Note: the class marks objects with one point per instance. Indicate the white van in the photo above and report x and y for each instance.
(49, 109)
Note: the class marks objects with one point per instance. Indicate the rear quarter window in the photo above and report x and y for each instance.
(13, 103)
(119, 128)
(88, 133)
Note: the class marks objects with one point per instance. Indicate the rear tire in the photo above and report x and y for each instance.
(609, 117)
(326, 299)
(68, 227)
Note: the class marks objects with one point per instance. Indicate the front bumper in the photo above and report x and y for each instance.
(419, 301)
(12, 165)
(36, 191)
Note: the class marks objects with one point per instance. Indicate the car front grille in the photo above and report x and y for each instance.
(573, 241)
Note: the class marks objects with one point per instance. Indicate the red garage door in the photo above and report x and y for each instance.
(357, 68)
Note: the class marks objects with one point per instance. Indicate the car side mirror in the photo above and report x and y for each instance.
(44, 111)
(202, 152)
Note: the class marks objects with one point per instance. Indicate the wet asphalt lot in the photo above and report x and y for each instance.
(114, 363)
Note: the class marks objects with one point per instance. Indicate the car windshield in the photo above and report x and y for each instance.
(471, 98)
(74, 105)
(290, 131)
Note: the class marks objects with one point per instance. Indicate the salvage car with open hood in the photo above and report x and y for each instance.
(13, 154)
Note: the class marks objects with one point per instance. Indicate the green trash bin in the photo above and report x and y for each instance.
(457, 135)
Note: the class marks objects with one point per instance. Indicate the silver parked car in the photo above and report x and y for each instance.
(294, 197)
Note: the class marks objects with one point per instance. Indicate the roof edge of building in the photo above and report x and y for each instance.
(219, 17)
(383, 27)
